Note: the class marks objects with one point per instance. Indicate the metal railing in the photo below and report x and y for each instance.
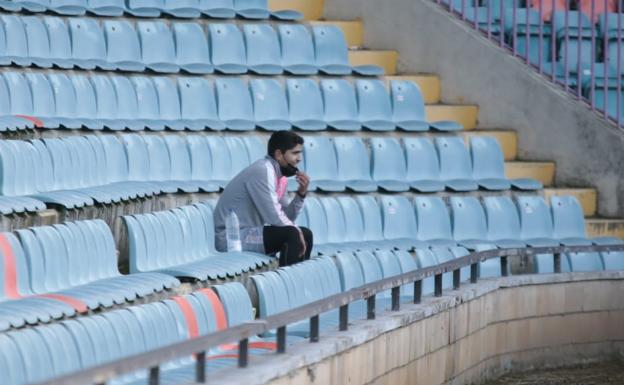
(575, 51)
(152, 360)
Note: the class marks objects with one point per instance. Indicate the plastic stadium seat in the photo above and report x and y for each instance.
(157, 46)
(60, 42)
(547, 7)
(332, 54)
(37, 41)
(263, 49)
(238, 154)
(337, 227)
(354, 232)
(20, 97)
(305, 104)
(44, 107)
(148, 114)
(341, 110)
(317, 222)
(433, 221)
(69, 7)
(373, 225)
(106, 102)
(144, 8)
(221, 160)
(29, 5)
(388, 164)
(269, 104)
(86, 102)
(423, 168)
(503, 222)
(127, 103)
(159, 164)
(88, 45)
(256, 147)
(123, 48)
(65, 100)
(16, 42)
(182, 8)
(455, 164)
(222, 9)
(375, 111)
(528, 28)
(169, 109)
(297, 49)
(598, 8)
(252, 9)
(192, 48)
(354, 164)
(107, 7)
(228, 48)
(426, 258)
(579, 38)
(321, 164)
(198, 104)
(7, 119)
(181, 167)
(201, 163)
(235, 105)
(399, 222)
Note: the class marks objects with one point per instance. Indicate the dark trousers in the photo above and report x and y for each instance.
(286, 240)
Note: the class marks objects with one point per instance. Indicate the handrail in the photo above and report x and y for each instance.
(241, 333)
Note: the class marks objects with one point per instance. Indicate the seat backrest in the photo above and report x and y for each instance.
(147, 108)
(127, 103)
(350, 271)
(535, 218)
(330, 46)
(122, 42)
(317, 220)
(197, 98)
(16, 41)
(181, 168)
(227, 44)
(373, 100)
(159, 160)
(236, 302)
(398, 217)
(339, 100)
(106, 96)
(354, 223)
(201, 160)
(389, 263)
(433, 218)
(328, 268)
(273, 295)
(371, 269)
(86, 102)
(15, 272)
(168, 98)
(454, 158)
(64, 95)
(8, 169)
(371, 214)
(87, 39)
(58, 34)
(502, 218)
(157, 45)
(262, 44)
(320, 158)
(296, 44)
(221, 161)
(336, 222)
(568, 218)
(116, 158)
(37, 37)
(191, 43)
(238, 153)
(422, 159)
(138, 157)
(468, 218)
(233, 99)
(487, 158)
(35, 355)
(352, 158)
(407, 101)
(269, 100)
(19, 94)
(256, 147)
(305, 101)
(388, 159)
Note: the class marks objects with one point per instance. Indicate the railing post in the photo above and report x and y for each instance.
(504, 266)
(154, 375)
(456, 279)
(281, 339)
(200, 368)
(474, 272)
(344, 317)
(438, 285)
(370, 307)
(243, 353)
(396, 293)
(557, 262)
(314, 328)
(417, 291)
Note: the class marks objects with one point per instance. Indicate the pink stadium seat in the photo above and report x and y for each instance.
(547, 7)
(599, 7)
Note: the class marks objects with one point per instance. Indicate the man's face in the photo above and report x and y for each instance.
(292, 156)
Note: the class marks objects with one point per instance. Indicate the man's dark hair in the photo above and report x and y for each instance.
(283, 141)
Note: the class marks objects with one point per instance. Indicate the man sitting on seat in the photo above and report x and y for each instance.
(265, 212)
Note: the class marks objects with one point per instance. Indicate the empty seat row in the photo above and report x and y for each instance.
(347, 224)
(50, 272)
(156, 46)
(48, 351)
(196, 103)
(250, 9)
(180, 242)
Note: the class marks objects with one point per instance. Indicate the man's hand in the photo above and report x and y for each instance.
(303, 180)
(303, 243)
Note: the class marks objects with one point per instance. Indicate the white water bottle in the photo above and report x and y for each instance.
(232, 232)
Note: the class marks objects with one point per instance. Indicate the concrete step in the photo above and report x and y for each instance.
(429, 85)
(508, 140)
(587, 197)
(353, 30)
(311, 9)
(385, 59)
(598, 227)
(542, 171)
(466, 115)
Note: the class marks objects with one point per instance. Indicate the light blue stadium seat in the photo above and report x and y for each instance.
(106, 96)
(69, 7)
(503, 222)
(536, 227)
(235, 105)
(86, 102)
(144, 8)
(341, 110)
(182, 8)
(157, 46)
(297, 49)
(228, 49)
(350, 271)
(331, 53)
(337, 232)
(60, 42)
(44, 107)
(198, 104)
(373, 233)
(256, 147)
(488, 166)
(455, 164)
(192, 48)
(390, 266)
(263, 49)
(354, 232)
(107, 7)
(375, 111)
(64, 100)
(399, 222)
(123, 48)
(126, 104)
(579, 31)
(426, 258)
(88, 45)
(137, 155)
(221, 160)
(37, 41)
(317, 222)
(28, 5)
(159, 164)
(20, 97)
(527, 29)
(16, 43)
(169, 109)
(238, 154)
(305, 104)
(221, 9)
(321, 164)
(8, 121)
(433, 221)
(201, 163)
(252, 9)
(423, 168)
(353, 164)
(408, 109)
(147, 110)
(388, 164)
(269, 104)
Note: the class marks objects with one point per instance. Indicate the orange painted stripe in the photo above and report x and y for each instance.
(217, 307)
(78, 305)
(252, 345)
(189, 315)
(10, 271)
(37, 122)
(222, 356)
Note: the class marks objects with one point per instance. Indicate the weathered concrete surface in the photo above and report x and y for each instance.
(467, 336)
(550, 124)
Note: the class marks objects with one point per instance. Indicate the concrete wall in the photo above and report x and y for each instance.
(468, 336)
(551, 125)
